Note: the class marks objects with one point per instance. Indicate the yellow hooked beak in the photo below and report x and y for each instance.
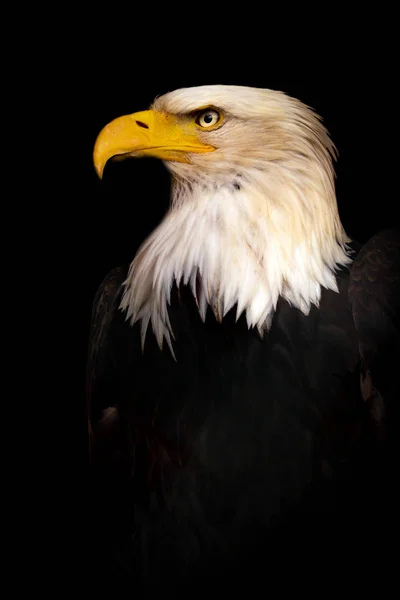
(149, 133)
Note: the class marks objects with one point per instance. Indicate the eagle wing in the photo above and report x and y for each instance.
(102, 412)
(374, 294)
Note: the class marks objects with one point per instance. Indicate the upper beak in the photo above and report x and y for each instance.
(148, 133)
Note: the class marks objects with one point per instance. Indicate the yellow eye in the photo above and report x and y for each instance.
(208, 118)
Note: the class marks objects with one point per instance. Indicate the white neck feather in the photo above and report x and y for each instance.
(245, 241)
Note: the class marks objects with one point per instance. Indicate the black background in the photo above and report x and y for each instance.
(95, 63)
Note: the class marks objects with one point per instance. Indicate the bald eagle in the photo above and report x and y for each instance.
(242, 370)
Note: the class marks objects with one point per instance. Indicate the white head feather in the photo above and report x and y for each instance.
(252, 221)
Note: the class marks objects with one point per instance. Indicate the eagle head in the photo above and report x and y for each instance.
(253, 214)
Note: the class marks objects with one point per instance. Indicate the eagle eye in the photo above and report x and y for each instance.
(209, 118)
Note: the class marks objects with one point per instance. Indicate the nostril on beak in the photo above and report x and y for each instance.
(141, 124)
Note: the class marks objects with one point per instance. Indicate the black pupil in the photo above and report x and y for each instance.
(208, 118)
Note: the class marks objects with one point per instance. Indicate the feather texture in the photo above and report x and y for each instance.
(252, 221)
